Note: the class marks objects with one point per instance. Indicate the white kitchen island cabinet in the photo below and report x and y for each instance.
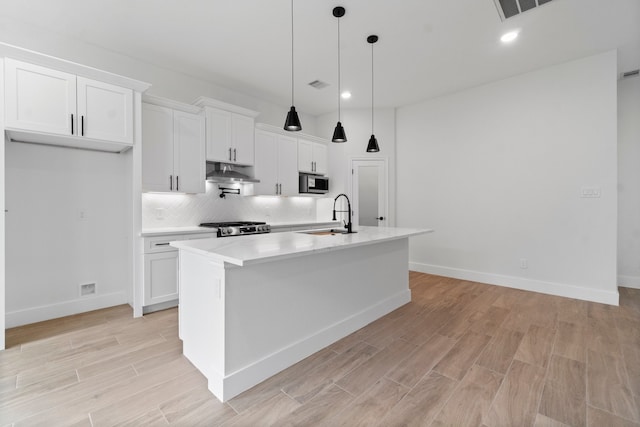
(252, 306)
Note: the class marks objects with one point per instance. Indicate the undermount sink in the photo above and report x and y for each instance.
(331, 232)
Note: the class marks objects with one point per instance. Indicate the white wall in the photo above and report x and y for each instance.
(357, 125)
(497, 171)
(50, 249)
(177, 210)
(629, 182)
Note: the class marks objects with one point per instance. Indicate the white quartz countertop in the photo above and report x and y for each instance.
(151, 232)
(194, 229)
(253, 249)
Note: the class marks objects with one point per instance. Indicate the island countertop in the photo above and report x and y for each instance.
(253, 249)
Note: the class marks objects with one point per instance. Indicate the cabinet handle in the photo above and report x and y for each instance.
(280, 189)
(82, 125)
(276, 188)
(177, 183)
(171, 182)
(162, 244)
(234, 154)
(380, 218)
(72, 124)
(229, 153)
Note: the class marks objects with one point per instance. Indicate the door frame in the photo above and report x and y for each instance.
(353, 192)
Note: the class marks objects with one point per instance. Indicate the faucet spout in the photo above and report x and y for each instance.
(348, 225)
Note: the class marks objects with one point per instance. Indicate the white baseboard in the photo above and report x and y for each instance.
(551, 288)
(67, 308)
(247, 377)
(629, 281)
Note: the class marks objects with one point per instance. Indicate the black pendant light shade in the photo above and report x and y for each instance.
(292, 123)
(372, 146)
(339, 134)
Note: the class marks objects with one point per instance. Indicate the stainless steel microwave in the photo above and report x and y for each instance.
(313, 184)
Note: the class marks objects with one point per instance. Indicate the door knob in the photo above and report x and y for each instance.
(380, 218)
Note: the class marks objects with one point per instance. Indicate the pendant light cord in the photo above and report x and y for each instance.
(339, 90)
(292, 75)
(372, 103)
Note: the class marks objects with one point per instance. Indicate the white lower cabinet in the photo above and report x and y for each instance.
(161, 269)
(160, 277)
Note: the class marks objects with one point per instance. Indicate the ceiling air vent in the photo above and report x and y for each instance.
(318, 84)
(630, 74)
(509, 8)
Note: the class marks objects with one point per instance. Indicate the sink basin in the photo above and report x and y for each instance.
(331, 232)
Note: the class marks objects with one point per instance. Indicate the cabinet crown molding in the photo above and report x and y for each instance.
(37, 58)
(170, 103)
(204, 101)
(298, 135)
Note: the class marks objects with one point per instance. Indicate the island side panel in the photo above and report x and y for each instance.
(202, 315)
(278, 313)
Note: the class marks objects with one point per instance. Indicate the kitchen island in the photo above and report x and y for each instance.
(252, 306)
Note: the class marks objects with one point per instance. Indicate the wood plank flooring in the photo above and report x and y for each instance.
(460, 354)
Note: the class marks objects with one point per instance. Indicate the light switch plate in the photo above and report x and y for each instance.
(590, 192)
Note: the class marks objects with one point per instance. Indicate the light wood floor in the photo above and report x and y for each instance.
(461, 353)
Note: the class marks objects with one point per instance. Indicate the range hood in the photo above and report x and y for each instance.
(226, 173)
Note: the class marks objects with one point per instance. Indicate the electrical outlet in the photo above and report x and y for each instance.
(87, 289)
(159, 213)
(524, 263)
(83, 214)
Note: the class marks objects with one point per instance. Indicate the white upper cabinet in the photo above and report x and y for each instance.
(276, 164)
(230, 132)
(242, 139)
(48, 101)
(312, 157)
(173, 147)
(39, 99)
(189, 152)
(105, 111)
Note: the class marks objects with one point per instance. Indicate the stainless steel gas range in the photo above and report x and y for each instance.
(238, 228)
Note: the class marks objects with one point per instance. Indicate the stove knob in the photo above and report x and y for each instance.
(223, 231)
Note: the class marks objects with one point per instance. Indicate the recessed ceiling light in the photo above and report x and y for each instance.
(346, 94)
(509, 37)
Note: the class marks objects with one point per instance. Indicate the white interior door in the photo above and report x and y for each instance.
(369, 189)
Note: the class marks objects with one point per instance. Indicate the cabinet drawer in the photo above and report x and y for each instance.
(161, 243)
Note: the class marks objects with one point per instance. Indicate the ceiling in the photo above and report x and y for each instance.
(427, 47)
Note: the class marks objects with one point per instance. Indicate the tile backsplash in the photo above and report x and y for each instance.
(178, 210)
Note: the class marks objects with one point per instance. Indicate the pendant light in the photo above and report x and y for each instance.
(338, 133)
(372, 147)
(292, 123)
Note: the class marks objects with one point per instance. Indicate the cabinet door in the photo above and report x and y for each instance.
(288, 165)
(189, 152)
(320, 158)
(242, 131)
(105, 110)
(218, 135)
(266, 164)
(39, 99)
(305, 155)
(160, 277)
(157, 148)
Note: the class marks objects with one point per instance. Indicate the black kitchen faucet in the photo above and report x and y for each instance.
(347, 225)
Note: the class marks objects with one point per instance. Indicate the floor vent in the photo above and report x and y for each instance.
(318, 84)
(632, 73)
(509, 8)
(87, 289)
